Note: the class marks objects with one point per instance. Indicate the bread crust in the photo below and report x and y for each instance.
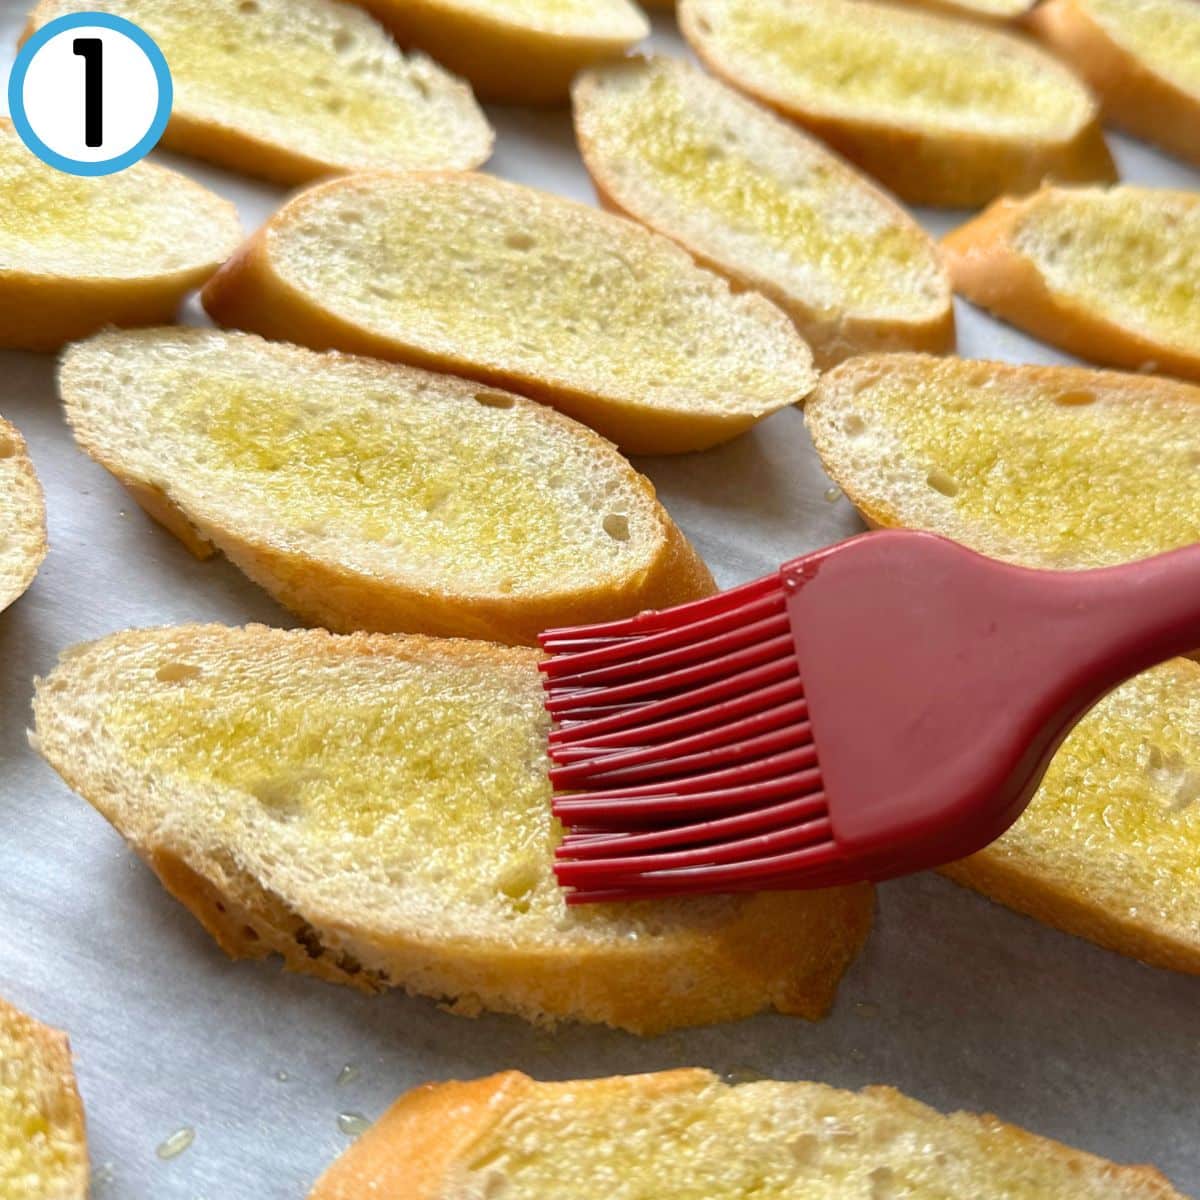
(58, 1093)
(247, 293)
(781, 950)
(959, 170)
(832, 338)
(13, 448)
(325, 592)
(505, 60)
(988, 270)
(1135, 97)
(413, 1151)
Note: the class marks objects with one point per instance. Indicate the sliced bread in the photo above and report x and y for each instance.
(22, 517)
(1004, 11)
(376, 810)
(1142, 58)
(1109, 848)
(1058, 467)
(749, 195)
(290, 90)
(686, 1134)
(943, 111)
(79, 253)
(1110, 274)
(43, 1144)
(515, 51)
(589, 312)
(365, 495)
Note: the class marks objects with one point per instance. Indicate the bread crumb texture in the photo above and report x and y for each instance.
(688, 1136)
(320, 79)
(1127, 254)
(857, 60)
(513, 281)
(1050, 467)
(688, 155)
(1164, 35)
(145, 221)
(22, 517)
(42, 1150)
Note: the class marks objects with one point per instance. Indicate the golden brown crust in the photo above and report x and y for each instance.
(1134, 97)
(782, 950)
(989, 271)
(831, 341)
(12, 445)
(504, 61)
(959, 170)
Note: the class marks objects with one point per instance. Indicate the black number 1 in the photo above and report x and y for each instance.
(91, 50)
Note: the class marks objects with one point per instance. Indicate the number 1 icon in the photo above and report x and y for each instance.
(91, 50)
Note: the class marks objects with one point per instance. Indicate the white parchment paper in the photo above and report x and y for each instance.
(955, 1000)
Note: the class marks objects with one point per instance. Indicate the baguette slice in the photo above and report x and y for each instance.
(1109, 848)
(944, 112)
(79, 253)
(749, 195)
(376, 810)
(43, 1144)
(588, 312)
(290, 90)
(1056, 467)
(1005, 12)
(370, 496)
(685, 1133)
(1108, 274)
(515, 51)
(1142, 58)
(22, 517)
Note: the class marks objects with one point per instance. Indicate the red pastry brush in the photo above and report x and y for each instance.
(876, 708)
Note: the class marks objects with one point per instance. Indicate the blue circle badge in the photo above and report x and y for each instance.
(90, 93)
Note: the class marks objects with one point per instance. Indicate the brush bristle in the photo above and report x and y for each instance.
(683, 755)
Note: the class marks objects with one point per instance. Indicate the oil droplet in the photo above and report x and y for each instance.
(353, 1124)
(348, 1074)
(282, 1076)
(104, 1174)
(736, 1075)
(832, 495)
(177, 1143)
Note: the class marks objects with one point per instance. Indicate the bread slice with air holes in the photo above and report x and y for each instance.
(749, 195)
(365, 495)
(515, 51)
(942, 111)
(1142, 58)
(591, 313)
(1106, 273)
(43, 1143)
(685, 1133)
(79, 253)
(376, 810)
(22, 517)
(290, 90)
(1055, 467)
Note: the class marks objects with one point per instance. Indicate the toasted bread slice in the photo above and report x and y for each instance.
(370, 496)
(43, 1144)
(290, 90)
(686, 1134)
(1109, 848)
(749, 195)
(1057, 467)
(591, 313)
(79, 253)
(1106, 273)
(22, 517)
(515, 51)
(944, 112)
(1142, 58)
(377, 811)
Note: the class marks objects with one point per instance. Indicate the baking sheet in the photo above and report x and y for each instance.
(955, 1000)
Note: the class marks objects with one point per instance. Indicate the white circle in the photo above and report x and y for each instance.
(53, 94)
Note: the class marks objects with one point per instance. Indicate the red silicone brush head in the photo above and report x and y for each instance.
(875, 708)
